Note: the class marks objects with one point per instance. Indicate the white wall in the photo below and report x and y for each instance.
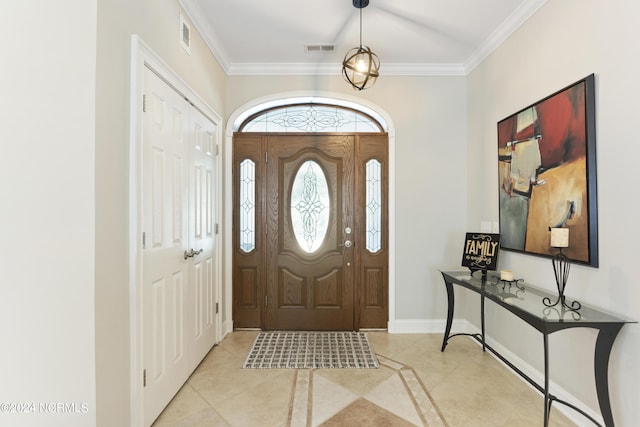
(47, 136)
(563, 42)
(157, 22)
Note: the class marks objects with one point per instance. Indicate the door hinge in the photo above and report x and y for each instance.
(217, 149)
(215, 229)
(266, 300)
(144, 103)
(266, 156)
(217, 306)
(144, 240)
(144, 378)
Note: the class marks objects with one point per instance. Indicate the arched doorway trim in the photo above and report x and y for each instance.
(283, 98)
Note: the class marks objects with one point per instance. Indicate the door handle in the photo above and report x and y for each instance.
(346, 244)
(191, 253)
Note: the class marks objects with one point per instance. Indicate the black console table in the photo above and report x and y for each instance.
(525, 301)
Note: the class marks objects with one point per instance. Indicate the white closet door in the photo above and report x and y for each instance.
(202, 308)
(179, 268)
(165, 225)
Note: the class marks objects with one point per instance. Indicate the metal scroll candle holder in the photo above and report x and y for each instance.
(561, 267)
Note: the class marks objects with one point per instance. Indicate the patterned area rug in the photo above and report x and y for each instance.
(311, 350)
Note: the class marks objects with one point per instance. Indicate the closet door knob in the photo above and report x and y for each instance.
(191, 253)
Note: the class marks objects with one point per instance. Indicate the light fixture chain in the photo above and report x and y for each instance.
(360, 27)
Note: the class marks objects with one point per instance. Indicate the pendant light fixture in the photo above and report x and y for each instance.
(361, 66)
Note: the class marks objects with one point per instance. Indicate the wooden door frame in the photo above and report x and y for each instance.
(143, 56)
(283, 98)
(253, 274)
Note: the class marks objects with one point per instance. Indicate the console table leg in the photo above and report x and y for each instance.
(450, 298)
(604, 344)
(482, 320)
(547, 401)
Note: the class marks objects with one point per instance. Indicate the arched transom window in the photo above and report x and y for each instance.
(310, 117)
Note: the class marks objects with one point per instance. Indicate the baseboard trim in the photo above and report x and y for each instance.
(227, 328)
(426, 326)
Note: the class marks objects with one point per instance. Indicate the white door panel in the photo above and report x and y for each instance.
(201, 232)
(166, 273)
(178, 294)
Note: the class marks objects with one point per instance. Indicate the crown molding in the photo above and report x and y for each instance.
(335, 69)
(440, 69)
(209, 36)
(512, 23)
(284, 69)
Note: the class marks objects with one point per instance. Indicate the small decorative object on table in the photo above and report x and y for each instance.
(507, 278)
(561, 266)
(480, 252)
(506, 275)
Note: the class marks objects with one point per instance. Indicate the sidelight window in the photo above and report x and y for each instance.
(247, 206)
(373, 206)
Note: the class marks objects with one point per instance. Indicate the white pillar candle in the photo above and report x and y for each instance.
(506, 275)
(560, 237)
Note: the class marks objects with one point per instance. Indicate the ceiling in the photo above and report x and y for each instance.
(411, 37)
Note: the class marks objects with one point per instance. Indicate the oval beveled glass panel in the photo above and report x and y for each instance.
(310, 206)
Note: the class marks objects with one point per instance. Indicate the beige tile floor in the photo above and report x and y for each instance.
(416, 385)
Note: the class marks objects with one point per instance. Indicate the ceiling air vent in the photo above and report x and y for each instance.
(319, 48)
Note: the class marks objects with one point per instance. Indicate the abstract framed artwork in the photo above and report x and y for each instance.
(547, 174)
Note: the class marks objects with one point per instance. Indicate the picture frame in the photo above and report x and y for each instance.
(547, 174)
(480, 251)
